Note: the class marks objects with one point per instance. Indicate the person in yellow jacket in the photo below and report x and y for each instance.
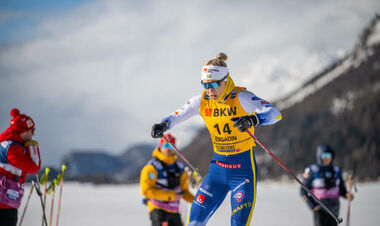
(163, 183)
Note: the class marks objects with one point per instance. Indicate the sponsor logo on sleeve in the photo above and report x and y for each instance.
(152, 176)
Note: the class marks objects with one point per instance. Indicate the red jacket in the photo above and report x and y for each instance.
(18, 157)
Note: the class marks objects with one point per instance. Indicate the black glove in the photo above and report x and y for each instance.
(245, 122)
(159, 129)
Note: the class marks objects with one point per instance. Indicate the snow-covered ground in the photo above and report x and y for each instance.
(114, 205)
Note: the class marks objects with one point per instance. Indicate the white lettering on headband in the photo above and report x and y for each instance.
(211, 72)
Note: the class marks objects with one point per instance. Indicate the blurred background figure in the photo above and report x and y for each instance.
(164, 182)
(19, 155)
(325, 181)
(195, 180)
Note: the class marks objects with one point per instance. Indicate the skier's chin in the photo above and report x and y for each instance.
(213, 96)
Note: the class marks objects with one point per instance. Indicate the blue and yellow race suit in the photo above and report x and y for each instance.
(233, 167)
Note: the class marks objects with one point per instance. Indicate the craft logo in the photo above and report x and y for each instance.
(242, 206)
(238, 196)
(200, 199)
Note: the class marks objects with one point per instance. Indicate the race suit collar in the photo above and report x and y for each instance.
(230, 85)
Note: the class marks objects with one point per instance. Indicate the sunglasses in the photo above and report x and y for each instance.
(167, 145)
(213, 85)
(326, 155)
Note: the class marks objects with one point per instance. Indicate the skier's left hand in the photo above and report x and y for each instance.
(245, 122)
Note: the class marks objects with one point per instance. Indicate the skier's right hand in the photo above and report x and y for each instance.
(33, 151)
(159, 129)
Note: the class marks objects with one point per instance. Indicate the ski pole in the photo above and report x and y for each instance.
(60, 179)
(184, 158)
(350, 183)
(43, 181)
(38, 190)
(337, 219)
(26, 204)
(51, 190)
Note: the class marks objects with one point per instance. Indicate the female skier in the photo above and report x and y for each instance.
(228, 111)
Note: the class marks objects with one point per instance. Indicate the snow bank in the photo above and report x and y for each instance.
(113, 205)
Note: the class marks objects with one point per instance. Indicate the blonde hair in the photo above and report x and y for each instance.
(219, 61)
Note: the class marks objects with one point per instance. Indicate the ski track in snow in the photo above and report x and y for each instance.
(115, 205)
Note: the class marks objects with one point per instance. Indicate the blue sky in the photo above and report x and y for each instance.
(98, 74)
(19, 17)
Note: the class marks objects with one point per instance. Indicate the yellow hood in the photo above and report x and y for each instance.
(166, 159)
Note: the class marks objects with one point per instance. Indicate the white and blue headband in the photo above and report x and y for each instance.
(211, 72)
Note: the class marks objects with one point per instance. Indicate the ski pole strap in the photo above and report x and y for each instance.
(183, 157)
(337, 219)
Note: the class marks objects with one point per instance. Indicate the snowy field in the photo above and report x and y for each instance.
(114, 205)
